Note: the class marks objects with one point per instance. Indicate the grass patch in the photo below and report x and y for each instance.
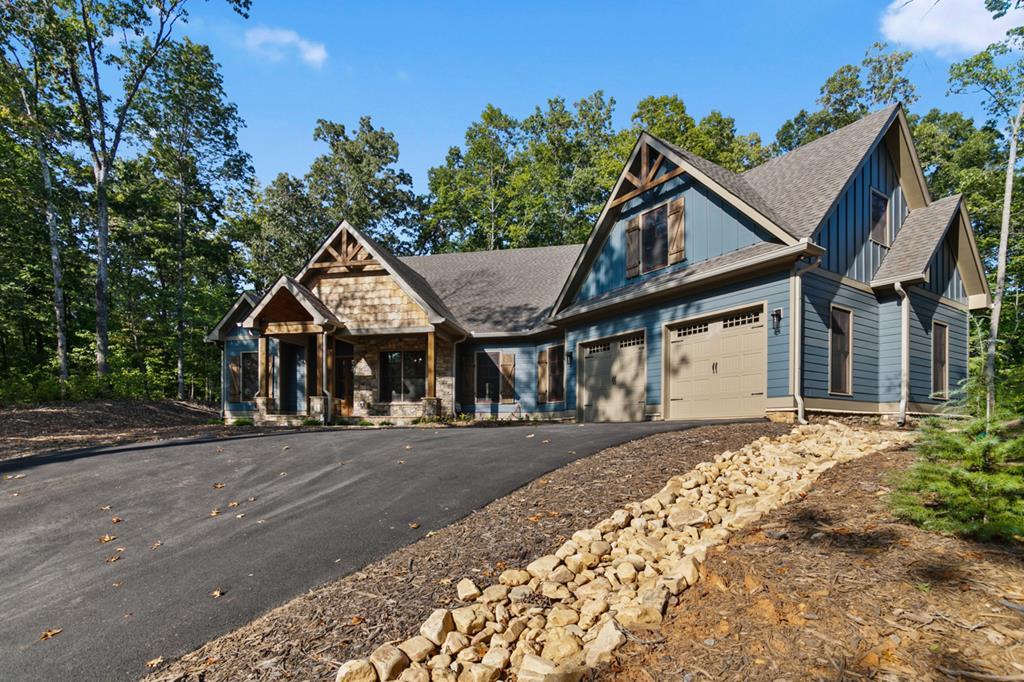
(242, 421)
(969, 480)
(311, 421)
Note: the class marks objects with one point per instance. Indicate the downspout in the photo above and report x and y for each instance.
(329, 412)
(904, 352)
(455, 369)
(223, 396)
(798, 325)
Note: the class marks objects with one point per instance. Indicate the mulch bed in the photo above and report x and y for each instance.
(310, 636)
(72, 425)
(835, 588)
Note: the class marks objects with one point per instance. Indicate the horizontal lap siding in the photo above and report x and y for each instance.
(889, 356)
(925, 310)
(774, 288)
(526, 377)
(846, 231)
(712, 228)
(819, 294)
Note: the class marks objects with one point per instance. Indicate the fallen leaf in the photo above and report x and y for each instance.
(283, 473)
(15, 494)
(252, 499)
(408, 447)
(414, 525)
(18, 476)
(217, 593)
(870, 660)
(239, 516)
(127, 615)
(233, 503)
(119, 549)
(215, 512)
(401, 461)
(356, 620)
(545, 441)
(155, 662)
(117, 583)
(116, 519)
(285, 447)
(531, 435)
(104, 539)
(112, 559)
(105, 508)
(220, 449)
(535, 518)
(51, 633)
(218, 486)
(155, 544)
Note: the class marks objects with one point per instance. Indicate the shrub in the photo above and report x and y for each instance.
(365, 422)
(969, 481)
(311, 421)
(242, 421)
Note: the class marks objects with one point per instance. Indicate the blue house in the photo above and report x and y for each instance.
(824, 280)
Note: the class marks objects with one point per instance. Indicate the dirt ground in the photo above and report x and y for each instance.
(66, 426)
(309, 637)
(835, 588)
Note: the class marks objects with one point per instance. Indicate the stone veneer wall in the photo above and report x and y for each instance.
(445, 362)
(366, 376)
(371, 301)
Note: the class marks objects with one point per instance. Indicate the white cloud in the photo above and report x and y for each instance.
(947, 27)
(274, 43)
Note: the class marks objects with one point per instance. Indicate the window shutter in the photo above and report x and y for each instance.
(542, 377)
(235, 375)
(633, 247)
(467, 380)
(508, 377)
(676, 231)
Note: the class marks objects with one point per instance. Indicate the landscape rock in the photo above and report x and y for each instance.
(389, 661)
(358, 670)
(467, 590)
(437, 626)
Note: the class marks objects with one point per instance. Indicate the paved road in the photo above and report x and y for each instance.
(326, 504)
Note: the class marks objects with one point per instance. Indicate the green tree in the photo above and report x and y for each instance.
(193, 137)
(1003, 87)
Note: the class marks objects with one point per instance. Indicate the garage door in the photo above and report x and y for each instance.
(614, 379)
(718, 367)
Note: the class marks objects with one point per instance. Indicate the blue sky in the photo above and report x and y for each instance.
(426, 70)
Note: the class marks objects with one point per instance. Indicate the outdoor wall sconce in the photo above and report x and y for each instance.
(777, 320)
(568, 358)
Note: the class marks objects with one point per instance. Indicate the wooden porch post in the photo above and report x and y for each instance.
(431, 365)
(318, 387)
(263, 358)
(329, 379)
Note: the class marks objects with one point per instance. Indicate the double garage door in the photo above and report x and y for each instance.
(716, 367)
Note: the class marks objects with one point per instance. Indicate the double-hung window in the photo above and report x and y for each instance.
(879, 218)
(840, 370)
(940, 360)
(403, 376)
(654, 238)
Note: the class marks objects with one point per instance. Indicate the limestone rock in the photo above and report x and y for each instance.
(542, 567)
(467, 590)
(494, 593)
(609, 638)
(478, 672)
(359, 670)
(497, 657)
(389, 661)
(560, 645)
(454, 643)
(467, 620)
(417, 648)
(437, 626)
(561, 615)
(514, 577)
(414, 675)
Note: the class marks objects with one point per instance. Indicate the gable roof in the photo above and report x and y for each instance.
(320, 313)
(916, 241)
(408, 279)
(803, 185)
(246, 301)
(497, 292)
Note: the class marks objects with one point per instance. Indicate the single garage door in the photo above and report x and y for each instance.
(718, 367)
(614, 379)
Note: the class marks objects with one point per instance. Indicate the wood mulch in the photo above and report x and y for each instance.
(835, 588)
(53, 427)
(309, 637)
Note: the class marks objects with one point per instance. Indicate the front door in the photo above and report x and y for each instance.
(293, 378)
(343, 384)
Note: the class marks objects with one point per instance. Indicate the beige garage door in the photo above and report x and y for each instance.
(614, 379)
(718, 367)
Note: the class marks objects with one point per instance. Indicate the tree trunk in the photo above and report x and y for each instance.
(1004, 239)
(58, 274)
(180, 312)
(102, 273)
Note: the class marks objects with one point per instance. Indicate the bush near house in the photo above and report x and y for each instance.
(969, 480)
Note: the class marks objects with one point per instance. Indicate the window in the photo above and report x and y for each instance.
(551, 375)
(840, 376)
(245, 377)
(940, 360)
(488, 376)
(403, 376)
(654, 232)
(879, 218)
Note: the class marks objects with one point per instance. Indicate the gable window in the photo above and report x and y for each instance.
(940, 360)
(403, 376)
(879, 218)
(840, 363)
(245, 377)
(654, 229)
(551, 375)
(495, 377)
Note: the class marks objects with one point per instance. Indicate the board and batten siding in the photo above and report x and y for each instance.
(820, 293)
(773, 288)
(846, 231)
(526, 377)
(943, 277)
(923, 311)
(712, 228)
(244, 341)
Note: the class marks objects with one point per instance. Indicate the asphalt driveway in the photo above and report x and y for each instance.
(293, 511)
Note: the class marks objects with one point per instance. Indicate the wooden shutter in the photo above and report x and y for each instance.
(235, 376)
(467, 379)
(676, 231)
(633, 247)
(508, 377)
(542, 377)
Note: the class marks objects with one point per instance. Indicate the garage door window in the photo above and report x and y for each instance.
(840, 347)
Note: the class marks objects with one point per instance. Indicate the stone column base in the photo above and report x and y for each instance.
(431, 408)
(318, 407)
(262, 406)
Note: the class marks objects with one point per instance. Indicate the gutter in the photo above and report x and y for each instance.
(798, 326)
(904, 352)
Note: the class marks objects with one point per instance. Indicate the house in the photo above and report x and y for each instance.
(824, 280)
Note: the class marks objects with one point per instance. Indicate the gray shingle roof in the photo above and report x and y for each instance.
(802, 186)
(497, 291)
(915, 243)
